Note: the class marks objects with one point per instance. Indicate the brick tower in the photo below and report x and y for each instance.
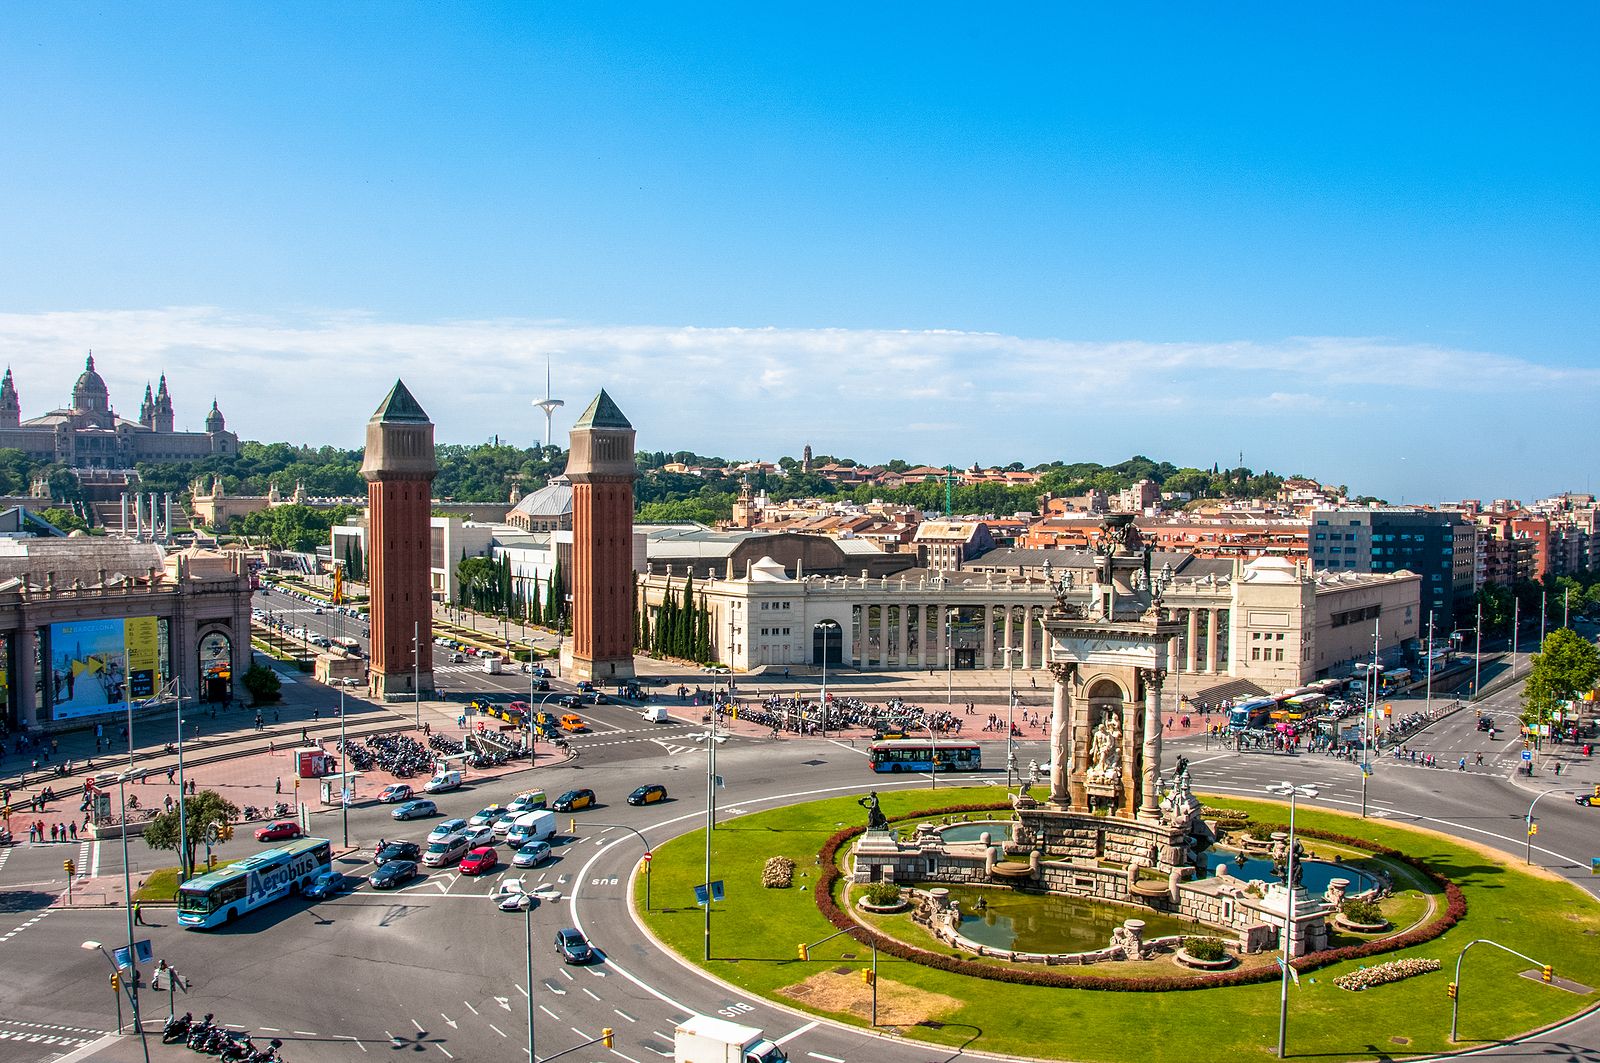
(600, 466)
(399, 468)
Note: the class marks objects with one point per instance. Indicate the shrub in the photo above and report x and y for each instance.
(1207, 950)
(1360, 911)
(778, 873)
(882, 894)
(1393, 971)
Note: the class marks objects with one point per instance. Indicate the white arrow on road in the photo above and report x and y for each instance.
(448, 1021)
(504, 1002)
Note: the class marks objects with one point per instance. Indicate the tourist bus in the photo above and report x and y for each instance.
(1301, 706)
(1254, 713)
(910, 754)
(218, 896)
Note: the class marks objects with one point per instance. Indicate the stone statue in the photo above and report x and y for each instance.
(1105, 751)
(1181, 771)
(876, 820)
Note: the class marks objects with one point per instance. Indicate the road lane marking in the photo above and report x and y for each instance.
(592, 994)
(625, 1015)
(786, 1038)
(619, 1055)
(443, 1049)
(414, 1022)
(521, 990)
(347, 1037)
(497, 1029)
(550, 1013)
(828, 1059)
(470, 1008)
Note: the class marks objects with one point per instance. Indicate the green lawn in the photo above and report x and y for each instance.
(161, 885)
(755, 933)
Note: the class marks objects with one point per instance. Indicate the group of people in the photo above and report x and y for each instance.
(59, 832)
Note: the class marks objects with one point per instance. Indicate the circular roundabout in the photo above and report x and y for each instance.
(946, 921)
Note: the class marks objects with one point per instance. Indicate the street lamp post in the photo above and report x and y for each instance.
(1011, 708)
(1291, 791)
(183, 822)
(416, 669)
(344, 774)
(1427, 704)
(1477, 651)
(711, 739)
(127, 894)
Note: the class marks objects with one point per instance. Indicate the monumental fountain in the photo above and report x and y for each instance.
(1112, 828)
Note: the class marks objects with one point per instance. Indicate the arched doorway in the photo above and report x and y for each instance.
(827, 643)
(216, 667)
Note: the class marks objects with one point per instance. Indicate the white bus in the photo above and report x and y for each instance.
(214, 898)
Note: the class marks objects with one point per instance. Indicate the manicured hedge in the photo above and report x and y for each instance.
(828, 856)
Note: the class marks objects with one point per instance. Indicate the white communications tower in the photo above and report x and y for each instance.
(547, 404)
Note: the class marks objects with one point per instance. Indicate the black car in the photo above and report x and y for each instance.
(573, 800)
(648, 795)
(1589, 800)
(1484, 723)
(541, 684)
(393, 874)
(572, 945)
(570, 701)
(399, 851)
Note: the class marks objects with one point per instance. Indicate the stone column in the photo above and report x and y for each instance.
(1009, 635)
(988, 637)
(1027, 637)
(883, 636)
(1061, 751)
(903, 655)
(1212, 665)
(22, 645)
(124, 528)
(1152, 678)
(1191, 648)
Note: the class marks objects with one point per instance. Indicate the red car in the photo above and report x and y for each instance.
(484, 858)
(278, 831)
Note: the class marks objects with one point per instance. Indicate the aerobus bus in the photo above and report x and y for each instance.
(1256, 712)
(909, 754)
(1301, 706)
(218, 896)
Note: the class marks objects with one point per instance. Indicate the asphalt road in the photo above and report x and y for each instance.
(435, 969)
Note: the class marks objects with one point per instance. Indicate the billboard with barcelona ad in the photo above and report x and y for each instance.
(96, 664)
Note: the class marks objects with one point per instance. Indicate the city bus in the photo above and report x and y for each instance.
(218, 896)
(909, 754)
(1254, 713)
(1301, 706)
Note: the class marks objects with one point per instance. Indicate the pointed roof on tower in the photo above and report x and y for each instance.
(398, 405)
(602, 413)
(7, 388)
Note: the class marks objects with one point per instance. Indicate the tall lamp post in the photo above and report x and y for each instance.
(1011, 707)
(1427, 705)
(1291, 791)
(127, 895)
(416, 669)
(712, 740)
(527, 913)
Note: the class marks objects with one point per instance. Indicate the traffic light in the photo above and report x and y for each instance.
(805, 952)
(1596, 794)
(225, 832)
(868, 976)
(572, 825)
(1548, 973)
(1533, 828)
(1452, 990)
(116, 982)
(70, 867)
(605, 1037)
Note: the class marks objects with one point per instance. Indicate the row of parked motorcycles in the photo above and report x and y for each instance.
(232, 1046)
(251, 812)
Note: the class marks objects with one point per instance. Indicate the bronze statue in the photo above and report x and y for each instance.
(876, 820)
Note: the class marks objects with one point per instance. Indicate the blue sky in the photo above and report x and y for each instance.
(1354, 243)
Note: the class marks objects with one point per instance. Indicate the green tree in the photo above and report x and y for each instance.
(262, 683)
(478, 579)
(64, 519)
(1567, 666)
(202, 811)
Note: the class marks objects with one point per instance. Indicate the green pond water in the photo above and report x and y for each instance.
(971, 832)
(1041, 922)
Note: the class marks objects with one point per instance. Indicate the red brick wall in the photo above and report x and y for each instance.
(398, 553)
(602, 570)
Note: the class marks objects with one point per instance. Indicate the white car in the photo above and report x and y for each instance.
(512, 897)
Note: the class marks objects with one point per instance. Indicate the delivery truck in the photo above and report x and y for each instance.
(703, 1039)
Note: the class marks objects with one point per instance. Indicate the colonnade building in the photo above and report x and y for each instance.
(1266, 622)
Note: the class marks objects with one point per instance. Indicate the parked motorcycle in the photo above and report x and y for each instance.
(198, 1033)
(177, 1028)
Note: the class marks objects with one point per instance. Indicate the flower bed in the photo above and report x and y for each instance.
(1384, 973)
(828, 881)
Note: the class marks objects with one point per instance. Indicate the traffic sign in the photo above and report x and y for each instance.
(647, 858)
(142, 950)
(1527, 754)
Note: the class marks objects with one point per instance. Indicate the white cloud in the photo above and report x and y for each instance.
(316, 377)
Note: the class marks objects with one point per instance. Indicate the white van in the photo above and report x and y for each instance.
(491, 664)
(445, 780)
(532, 827)
(656, 714)
(525, 801)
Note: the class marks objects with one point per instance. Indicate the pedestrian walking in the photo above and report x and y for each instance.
(170, 773)
(1558, 768)
(73, 827)
(277, 786)
(138, 914)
